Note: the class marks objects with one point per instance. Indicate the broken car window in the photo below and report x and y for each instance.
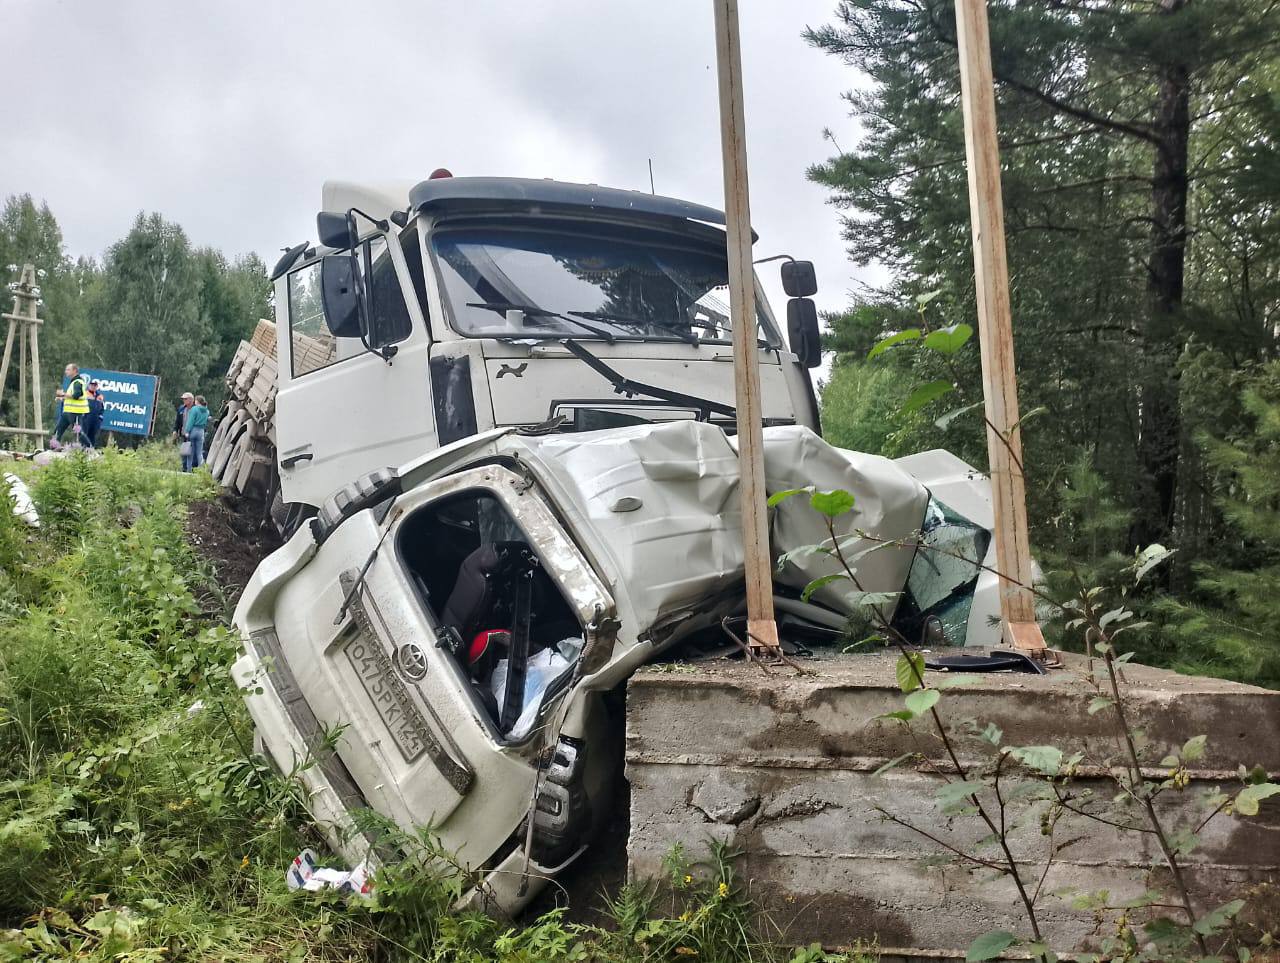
(487, 589)
(943, 574)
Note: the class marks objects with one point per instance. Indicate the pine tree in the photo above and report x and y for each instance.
(1133, 132)
(1229, 626)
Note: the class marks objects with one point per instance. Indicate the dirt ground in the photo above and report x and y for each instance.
(230, 534)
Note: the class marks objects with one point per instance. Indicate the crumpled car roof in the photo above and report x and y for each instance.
(658, 503)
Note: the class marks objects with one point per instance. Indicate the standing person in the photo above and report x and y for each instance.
(75, 403)
(185, 404)
(91, 423)
(180, 415)
(193, 431)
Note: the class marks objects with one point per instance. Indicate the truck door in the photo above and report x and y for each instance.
(341, 409)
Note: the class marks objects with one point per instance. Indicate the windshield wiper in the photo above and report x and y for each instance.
(533, 311)
(608, 317)
(625, 386)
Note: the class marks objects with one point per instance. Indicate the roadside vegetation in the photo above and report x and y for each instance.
(137, 824)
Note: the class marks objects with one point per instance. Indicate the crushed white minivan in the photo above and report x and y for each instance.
(461, 620)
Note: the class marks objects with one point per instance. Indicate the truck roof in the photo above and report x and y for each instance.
(381, 198)
(447, 192)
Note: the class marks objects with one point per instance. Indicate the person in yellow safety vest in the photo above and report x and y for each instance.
(75, 404)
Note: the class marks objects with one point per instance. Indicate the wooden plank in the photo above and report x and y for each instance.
(8, 352)
(995, 329)
(22, 374)
(761, 627)
(36, 401)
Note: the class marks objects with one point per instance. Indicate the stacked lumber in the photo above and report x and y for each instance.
(264, 338)
(312, 353)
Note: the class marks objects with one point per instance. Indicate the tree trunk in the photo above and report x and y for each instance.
(1161, 419)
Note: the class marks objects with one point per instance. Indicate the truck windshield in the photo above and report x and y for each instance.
(623, 288)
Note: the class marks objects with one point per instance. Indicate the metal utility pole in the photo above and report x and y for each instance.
(24, 323)
(995, 330)
(761, 627)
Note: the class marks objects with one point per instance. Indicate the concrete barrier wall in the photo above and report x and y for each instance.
(782, 767)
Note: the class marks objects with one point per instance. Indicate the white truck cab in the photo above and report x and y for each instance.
(438, 311)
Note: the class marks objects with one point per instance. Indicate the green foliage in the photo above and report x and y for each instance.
(1224, 625)
(990, 945)
(29, 233)
(155, 304)
(233, 296)
(1005, 788)
(860, 405)
(147, 313)
(1131, 331)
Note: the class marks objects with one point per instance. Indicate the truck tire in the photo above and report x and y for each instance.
(218, 462)
(242, 454)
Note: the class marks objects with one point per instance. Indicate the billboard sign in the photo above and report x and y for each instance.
(129, 400)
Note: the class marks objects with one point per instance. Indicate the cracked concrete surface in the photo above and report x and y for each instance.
(782, 768)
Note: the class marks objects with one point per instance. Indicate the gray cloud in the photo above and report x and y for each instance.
(227, 116)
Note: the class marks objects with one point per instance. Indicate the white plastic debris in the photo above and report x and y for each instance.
(305, 875)
(542, 669)
(23, 507)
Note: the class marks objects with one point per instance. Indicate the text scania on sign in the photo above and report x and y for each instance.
(118, 387)
(128, 399)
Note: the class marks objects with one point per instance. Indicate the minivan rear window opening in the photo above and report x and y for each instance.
(505, 622)
(555, 284)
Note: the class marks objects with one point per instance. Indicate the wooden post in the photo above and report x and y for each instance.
(995, 329)
(24, 323)
(36, 402)
(761, 627)
(8, 353)
(22, 376)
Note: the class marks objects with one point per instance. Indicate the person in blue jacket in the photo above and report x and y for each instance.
(91, 423)
(193, 432)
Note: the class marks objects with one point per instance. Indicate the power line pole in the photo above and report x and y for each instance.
(761, 628)
(995, 330)
(24, 323)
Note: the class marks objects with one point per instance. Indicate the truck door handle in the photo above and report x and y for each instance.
(294, 459)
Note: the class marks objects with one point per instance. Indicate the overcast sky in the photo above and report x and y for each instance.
(227, 116)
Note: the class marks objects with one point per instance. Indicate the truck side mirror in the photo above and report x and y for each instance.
(339, 294)
(334, 230)
(798, 279)
(802, 331)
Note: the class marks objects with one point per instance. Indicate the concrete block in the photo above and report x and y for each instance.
(783, 768)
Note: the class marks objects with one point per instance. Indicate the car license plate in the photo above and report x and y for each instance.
(389, 696)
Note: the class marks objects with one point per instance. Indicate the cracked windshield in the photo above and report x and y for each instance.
(543, 284)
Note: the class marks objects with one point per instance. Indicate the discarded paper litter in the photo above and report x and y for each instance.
(304, 874)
